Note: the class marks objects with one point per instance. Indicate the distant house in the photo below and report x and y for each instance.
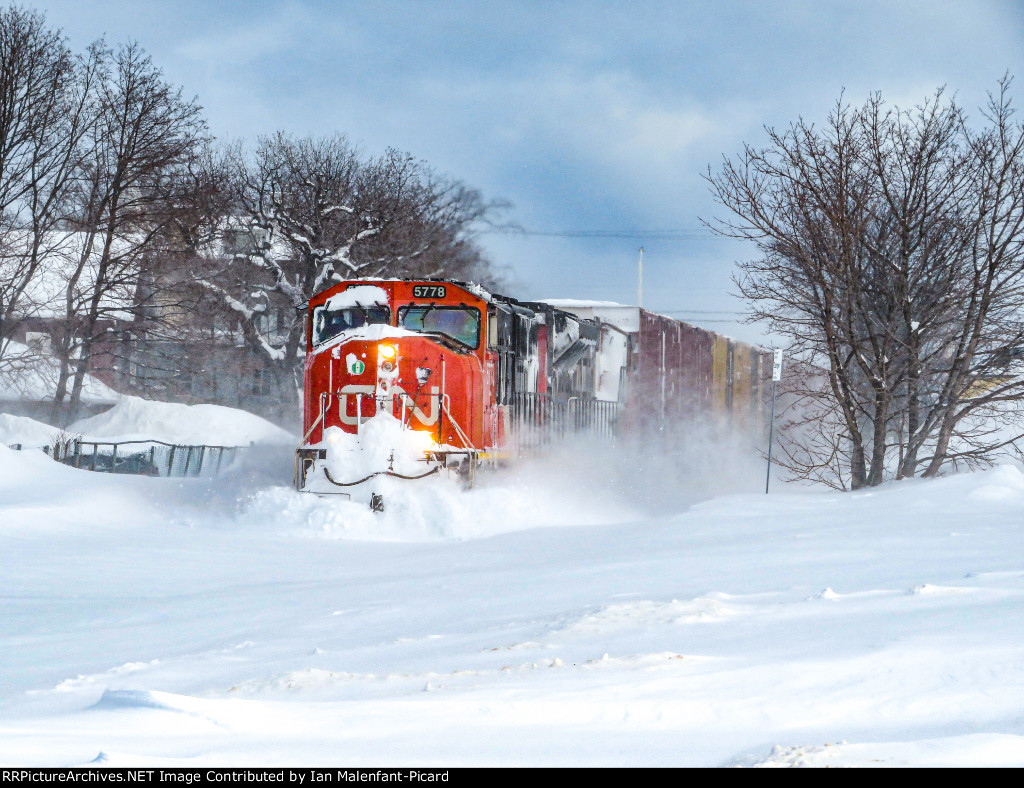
(161, 341)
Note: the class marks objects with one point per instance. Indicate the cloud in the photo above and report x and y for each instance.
(594, 142)
(249, 39)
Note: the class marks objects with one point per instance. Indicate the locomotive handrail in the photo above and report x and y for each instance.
(466, 442)
(539, 417)
(318, 420)
(411, 398)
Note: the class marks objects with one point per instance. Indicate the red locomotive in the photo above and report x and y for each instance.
(405, 378)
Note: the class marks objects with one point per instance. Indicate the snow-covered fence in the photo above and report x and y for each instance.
(146, 457)
(539, 419)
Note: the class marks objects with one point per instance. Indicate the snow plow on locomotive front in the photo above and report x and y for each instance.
(394, 386)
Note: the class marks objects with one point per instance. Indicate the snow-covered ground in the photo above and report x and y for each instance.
(26, 432)
(555, 615)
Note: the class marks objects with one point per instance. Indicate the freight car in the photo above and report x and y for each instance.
(405, 379)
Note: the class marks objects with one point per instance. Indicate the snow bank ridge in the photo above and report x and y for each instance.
(132, 699)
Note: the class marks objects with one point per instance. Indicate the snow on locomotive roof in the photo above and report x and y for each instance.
(358, 295)
(373, 332)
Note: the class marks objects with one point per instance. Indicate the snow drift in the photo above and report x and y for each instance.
(134, 418)
(26, 431)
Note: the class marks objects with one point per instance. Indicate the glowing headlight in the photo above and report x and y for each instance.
(421, 439)
(387, 352)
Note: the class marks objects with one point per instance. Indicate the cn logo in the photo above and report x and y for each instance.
(396, 396)
(411, 406)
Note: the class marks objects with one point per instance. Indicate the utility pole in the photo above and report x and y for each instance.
(640, 279)
(776, 377)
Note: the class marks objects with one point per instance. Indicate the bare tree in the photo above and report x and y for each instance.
(977, 376)
(145, 133)
(891, 259)
(311, 212)
(175, 325)
(45, 110)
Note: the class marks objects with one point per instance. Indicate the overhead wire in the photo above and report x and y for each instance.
(645, 235)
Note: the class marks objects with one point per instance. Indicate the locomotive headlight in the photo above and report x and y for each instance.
(387, 352)
(423, 375)
(421, 439)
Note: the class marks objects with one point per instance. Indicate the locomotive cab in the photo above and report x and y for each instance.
(395, 383)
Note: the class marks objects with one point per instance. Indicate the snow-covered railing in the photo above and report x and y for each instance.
(156, 458)
(539, 419)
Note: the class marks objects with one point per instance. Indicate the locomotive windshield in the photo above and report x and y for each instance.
(328, 323)
(461, 323)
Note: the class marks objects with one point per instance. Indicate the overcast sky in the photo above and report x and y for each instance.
(586, 116)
